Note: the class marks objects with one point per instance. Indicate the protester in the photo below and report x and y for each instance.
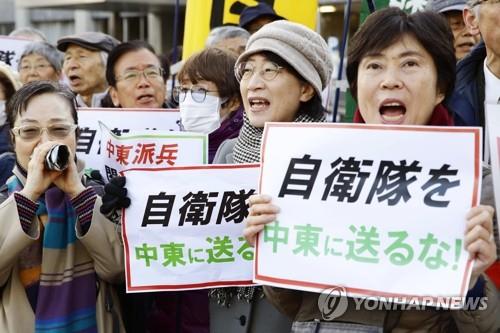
(84, 65)
(478, 75)
(136, 80)
(135, 76)
(58, 252)
(463, 40)
(40, 61)
(252, 18)
(282, 72)
(400, 68)
(9, 83)
(228, 37)
(478, 83)
(29, 33)
(209, 97)
(210, 103)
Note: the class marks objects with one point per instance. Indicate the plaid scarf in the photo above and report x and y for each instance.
(65, 297)
(247, 150)
(247, 147)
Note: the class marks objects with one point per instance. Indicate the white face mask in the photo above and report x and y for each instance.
(201, 117)
(3, 115)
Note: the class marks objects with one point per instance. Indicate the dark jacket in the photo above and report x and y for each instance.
(467, 100)
(5, 138)
(229, 129)
(7, 161)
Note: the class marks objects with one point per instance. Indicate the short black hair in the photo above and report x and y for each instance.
(19, 101)
(120, 50)
(387, 26)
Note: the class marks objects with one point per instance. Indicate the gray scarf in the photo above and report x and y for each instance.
(247, 150)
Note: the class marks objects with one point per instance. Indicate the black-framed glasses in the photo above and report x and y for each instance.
(198, 94)
(32, 132)
(245, 70)
(133, 75)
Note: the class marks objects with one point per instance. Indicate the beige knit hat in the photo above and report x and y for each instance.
(303, 49)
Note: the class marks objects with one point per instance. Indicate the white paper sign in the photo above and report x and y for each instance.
(493, 130)
(150, 149)
(11, 49)
(183, 229)
(388, 200)
(120, 121)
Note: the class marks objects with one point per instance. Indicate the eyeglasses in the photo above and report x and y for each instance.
(198, 94)
(32, 132)
(133, 75)
(37, 67)
(245, 70)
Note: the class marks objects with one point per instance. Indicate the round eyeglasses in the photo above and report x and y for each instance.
(198, 94)
(32, 132)
(245, 70)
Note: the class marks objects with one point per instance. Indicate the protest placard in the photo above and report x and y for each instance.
(183, 229)
(119, 121)
(150, 149)
(11, 49)
(389, 200)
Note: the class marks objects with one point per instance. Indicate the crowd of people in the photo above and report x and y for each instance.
(61, 252)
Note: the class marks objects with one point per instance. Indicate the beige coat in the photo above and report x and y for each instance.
(103, 244)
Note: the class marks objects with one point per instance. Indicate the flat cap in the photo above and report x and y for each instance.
(442, 6)
(95, 41)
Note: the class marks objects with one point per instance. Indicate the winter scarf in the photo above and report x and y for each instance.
(56, 271)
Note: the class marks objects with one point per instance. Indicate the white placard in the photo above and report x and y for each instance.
(389, 200)
(150, 149)
(11, 49)
(120, 121)
(183, 229)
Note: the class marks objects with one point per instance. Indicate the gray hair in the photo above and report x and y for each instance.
(104, 58)
(48, 51)
(226, 32)
(30, 33)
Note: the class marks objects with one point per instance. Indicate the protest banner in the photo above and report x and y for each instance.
(204, 15)
(11, 49)
(183, 229)
(150, 149)
(119, 121)
(391, 202)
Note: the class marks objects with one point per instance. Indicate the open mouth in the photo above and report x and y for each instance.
(144, 99)
(392, 112)
(74, 80)
(258, 104)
